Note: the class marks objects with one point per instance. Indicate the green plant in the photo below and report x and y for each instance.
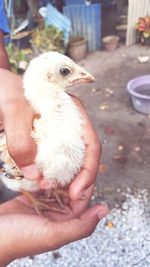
(143, 28)
(48, 39)
(15, 56)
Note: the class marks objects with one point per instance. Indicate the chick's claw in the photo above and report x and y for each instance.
(40, 205)
(57, 195)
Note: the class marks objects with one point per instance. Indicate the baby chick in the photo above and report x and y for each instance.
(58, 126)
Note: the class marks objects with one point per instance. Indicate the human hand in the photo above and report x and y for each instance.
(60, 229)
(24, 233)
(16, 116)
(87, 175)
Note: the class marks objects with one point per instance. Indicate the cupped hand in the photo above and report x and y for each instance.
(24, 233)
(87, 175)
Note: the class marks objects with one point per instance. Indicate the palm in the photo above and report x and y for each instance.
(32, 234)
(20, 205)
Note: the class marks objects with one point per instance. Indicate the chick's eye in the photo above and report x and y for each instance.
(64, 71)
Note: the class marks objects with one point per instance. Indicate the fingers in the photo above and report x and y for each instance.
(40, 234)
(17, 116)
(93, 150)
(75, 209)
(21, 145)
(79, 206)
(22, 204)
(76, 229)
(18, 133)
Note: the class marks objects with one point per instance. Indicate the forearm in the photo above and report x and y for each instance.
(4, 61)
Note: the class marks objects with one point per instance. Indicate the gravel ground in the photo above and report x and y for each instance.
(120, 240)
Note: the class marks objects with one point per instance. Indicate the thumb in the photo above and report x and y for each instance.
(80, 227)
(21, 146)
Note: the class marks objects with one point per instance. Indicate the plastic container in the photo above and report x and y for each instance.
(139, 89)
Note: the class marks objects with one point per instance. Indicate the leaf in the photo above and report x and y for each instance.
(146, 34)
(104, 107)
(137, 148)
(109, 130)
(120, 158)
(120, 147)
(109, 92)
(110, 224)
(102, 168)
(93, 90)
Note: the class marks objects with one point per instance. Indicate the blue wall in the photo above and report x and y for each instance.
(86, 21)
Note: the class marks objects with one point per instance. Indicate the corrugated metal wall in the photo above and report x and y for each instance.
(86, 21)
(136, 9)
(72, 2)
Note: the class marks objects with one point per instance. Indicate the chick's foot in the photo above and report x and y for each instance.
(57, 197)
(41, 204)
(53, 193)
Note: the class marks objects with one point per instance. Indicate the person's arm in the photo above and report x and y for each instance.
(16, 116)
(4, 61)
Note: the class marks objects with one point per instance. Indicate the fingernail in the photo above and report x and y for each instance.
(103, 211)
(81, 195)
(31, 172)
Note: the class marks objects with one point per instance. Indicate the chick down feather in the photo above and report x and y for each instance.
(58, 130)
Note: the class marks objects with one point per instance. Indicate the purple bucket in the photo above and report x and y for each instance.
(139, 89)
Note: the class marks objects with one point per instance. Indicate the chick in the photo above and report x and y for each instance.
(58, 126)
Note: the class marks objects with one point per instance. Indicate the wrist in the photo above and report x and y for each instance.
(4, 259)
(4, 262)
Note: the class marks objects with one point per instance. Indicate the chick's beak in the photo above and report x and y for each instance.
(81, 76)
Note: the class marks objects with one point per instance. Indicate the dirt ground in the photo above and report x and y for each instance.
(124, 133)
